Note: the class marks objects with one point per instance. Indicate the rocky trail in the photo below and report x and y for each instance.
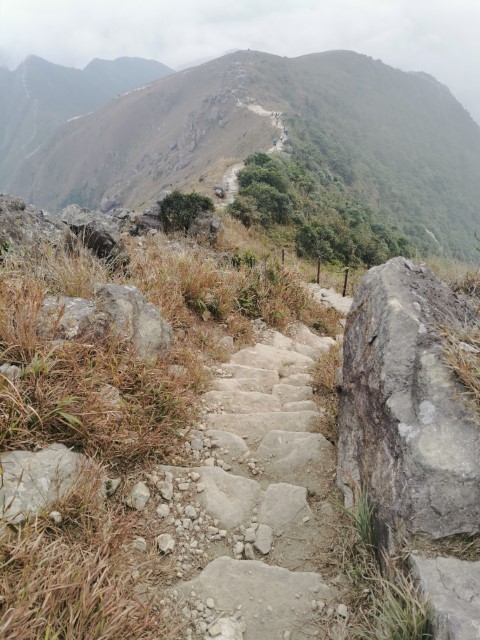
(256, 506)
(230, 178)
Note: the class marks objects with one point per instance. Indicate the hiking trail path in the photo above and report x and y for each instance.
(256, 506)
(230, 178)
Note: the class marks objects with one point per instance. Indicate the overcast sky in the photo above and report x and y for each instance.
(438, 36)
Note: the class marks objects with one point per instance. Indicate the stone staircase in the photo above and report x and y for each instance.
(255, 506)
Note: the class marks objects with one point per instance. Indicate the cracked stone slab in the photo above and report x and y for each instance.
(283, 505)
(453, 590)
(292, 393)
(255, 425)
(243, 401)
(233, 444)
(330, 298)
(278, 340)
(306, 459)
(231, 385)
(228, 498)
(31, 481)
(301, 333)
(303, 405)
(276, 603)
(264, 356)
(265, 377)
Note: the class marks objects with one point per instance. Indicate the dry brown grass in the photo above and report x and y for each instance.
(192, 284)
(462, 355)
(73, 581)
(325, 386)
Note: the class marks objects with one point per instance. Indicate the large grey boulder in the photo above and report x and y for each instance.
(23, 225)
(117, 310)
(405, 430)
(31, 482)
(453, 588)
(98, 231)
(130, 316)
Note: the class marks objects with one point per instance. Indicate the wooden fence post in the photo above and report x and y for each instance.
(345, 282)
(283, 256)
(318, 270)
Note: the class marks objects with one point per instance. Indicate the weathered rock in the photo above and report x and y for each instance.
(264, 539)
(256, 425)
(453, 590)
(292, 393)
(283, 504)
(243, 401)
(405, 431)
(23, 225)
(110, 202)
(66, 317)
(330, 298)
(301, 333)
(273, 599)
(297, 458)
(263, 356)
(130, 316)
(30, 482)
(117, 310)
(10, 372)
(226, 497)
(98, 231)
(138, 496)
(206, 227)
(264, 377)
(165, 543)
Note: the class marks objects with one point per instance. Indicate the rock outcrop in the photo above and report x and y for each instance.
(117, 310)
(453, 588)
(31, 482)
(405, 431)
(23, 225)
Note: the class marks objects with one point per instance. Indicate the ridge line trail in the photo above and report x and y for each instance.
(230, 177)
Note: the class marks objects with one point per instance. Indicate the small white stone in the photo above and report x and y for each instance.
(163, 510)
(56, 516)
(139, 496)
(342, 611)
(165, 543)
(200, 487)
(139, 544)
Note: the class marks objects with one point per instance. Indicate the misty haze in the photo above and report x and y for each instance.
(239, 320)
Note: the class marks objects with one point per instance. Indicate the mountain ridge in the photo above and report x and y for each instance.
(398, 140)
(38, 95)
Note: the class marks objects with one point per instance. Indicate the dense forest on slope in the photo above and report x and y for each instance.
(328, 222)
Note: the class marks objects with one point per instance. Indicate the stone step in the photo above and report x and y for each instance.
(234, 515)
(254, 426)
(256, 601)
(242, 401)
(303, 405)
(240, 384)
(266, 377)
(305, 459)
(263, 356)
(292, 393)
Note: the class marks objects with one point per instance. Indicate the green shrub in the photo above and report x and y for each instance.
(179, 210)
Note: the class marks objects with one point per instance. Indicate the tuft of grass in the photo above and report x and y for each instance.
(324, 376)
(398, 612)
(462, 355)
(74, 579)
